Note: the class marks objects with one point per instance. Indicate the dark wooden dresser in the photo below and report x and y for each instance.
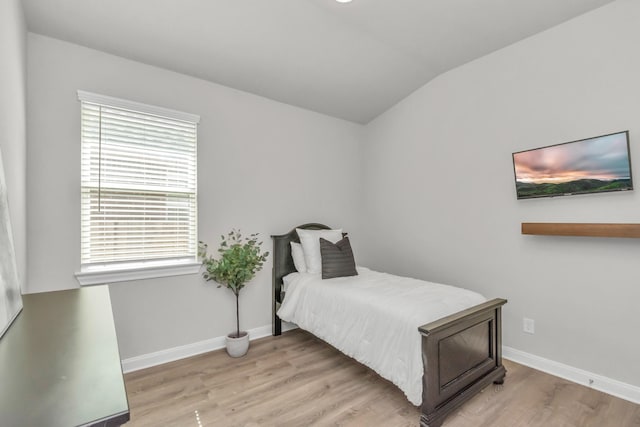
(60, 365)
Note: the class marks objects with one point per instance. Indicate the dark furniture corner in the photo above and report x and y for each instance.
(60, 364)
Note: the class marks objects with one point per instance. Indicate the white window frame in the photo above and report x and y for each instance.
(144, 269)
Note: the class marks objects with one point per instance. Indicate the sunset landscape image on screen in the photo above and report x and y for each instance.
(587, 166)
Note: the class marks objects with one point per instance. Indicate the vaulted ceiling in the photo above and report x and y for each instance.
(351, 61)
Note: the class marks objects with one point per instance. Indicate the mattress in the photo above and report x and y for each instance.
(374, 318)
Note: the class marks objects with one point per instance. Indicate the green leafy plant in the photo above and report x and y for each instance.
(240, 259)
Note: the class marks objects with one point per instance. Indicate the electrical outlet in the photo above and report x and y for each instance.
(529, 326)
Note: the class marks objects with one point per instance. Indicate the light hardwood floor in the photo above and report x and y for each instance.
(298, 380)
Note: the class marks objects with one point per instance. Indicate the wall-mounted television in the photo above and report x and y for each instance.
(591, 165)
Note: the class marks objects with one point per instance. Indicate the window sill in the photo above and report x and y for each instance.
(100, 276)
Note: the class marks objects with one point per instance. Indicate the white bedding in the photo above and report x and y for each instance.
(374, 318)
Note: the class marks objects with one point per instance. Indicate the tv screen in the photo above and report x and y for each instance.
(591, 165)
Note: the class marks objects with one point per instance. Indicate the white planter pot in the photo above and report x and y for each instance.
(238, 347)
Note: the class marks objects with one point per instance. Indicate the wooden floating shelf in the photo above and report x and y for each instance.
(577, 229)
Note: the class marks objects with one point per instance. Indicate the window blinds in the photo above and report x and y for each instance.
(139, 183)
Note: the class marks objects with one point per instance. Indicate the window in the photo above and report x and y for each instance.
(139, 191)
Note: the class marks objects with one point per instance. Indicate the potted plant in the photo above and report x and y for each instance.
(240, 259)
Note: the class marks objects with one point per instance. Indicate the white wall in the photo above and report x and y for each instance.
(440, 194)
(263, 166)
(13, 139)
(434, 177)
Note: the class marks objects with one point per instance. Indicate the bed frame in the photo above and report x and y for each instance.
(461, 353)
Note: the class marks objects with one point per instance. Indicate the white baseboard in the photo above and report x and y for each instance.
(598, 382)
(169, 355)
(286, 326)
(176, 353)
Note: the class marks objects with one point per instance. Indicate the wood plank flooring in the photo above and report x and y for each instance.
(298, 380)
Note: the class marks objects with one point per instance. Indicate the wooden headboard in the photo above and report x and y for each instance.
(283, 265)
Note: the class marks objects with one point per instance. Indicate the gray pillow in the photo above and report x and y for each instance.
(337, 259)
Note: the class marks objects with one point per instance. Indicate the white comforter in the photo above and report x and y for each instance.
(374, 318)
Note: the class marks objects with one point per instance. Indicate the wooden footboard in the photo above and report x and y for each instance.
(462, 354)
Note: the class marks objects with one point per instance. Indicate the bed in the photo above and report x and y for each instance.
(438, 365)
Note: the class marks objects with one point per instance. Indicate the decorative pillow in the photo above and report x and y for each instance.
(298, 257)
(310, 241)
(337, 259)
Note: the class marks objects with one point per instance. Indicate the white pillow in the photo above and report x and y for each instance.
(310, 241)
(298, 257)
